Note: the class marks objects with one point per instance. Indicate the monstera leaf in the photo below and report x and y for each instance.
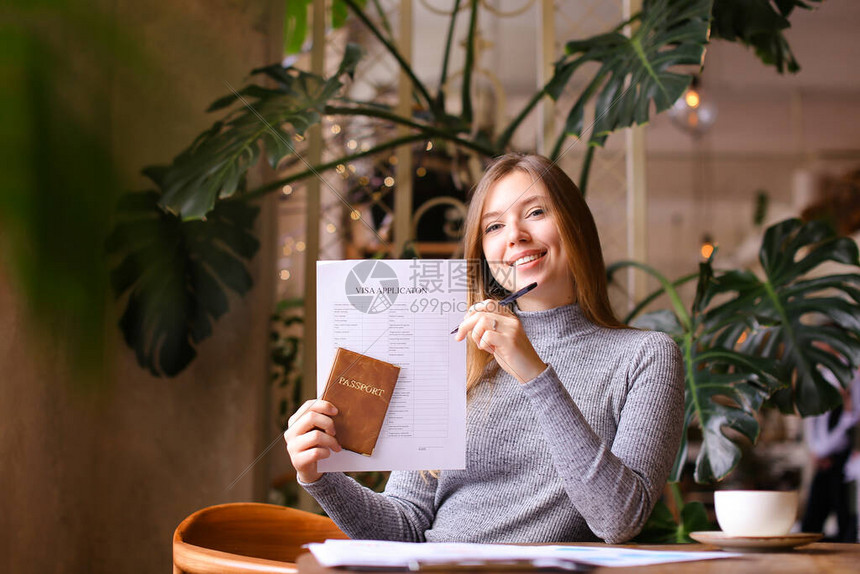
(634, 70)
(215, 165)
(809, 324)
(759, 24)
(764, 339)
(724, 388)
(176, 274)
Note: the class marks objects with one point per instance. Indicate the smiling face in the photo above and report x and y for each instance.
(521, 242)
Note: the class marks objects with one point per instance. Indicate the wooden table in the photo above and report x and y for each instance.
(810, 559)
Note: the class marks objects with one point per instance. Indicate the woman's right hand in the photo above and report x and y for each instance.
(310, 438)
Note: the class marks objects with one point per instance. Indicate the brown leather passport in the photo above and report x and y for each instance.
(361, 388)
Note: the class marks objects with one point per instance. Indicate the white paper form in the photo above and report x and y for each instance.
(418, 556)
(402, 312)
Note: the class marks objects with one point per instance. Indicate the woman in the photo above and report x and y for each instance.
(573, 419)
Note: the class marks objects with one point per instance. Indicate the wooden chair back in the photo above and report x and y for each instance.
(246, 537)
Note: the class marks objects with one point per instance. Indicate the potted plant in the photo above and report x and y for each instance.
(180, 246)
(750, 340)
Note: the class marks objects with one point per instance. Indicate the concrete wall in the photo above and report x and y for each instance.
(96, 481)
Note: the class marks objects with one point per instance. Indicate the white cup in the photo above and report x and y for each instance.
(755, 512)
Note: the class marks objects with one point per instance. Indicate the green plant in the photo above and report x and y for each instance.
(760, 25)
(60, 176)
(669, 34)
(286, 355)
(175, 273)
(297, 14)
(749, 341)
(782, 315)
(710, 372)
(662, 528)
(286, 377)
(633, 73)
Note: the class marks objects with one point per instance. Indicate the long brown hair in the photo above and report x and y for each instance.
(578, 235)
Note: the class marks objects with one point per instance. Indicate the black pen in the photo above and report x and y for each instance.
(509, 299)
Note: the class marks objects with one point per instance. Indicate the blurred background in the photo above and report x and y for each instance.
(104, 456)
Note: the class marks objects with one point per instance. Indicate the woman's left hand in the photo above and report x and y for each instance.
(501, 335)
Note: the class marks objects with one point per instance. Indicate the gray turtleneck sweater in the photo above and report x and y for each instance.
(579, 453)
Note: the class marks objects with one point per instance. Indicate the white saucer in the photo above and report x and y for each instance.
(755, 543)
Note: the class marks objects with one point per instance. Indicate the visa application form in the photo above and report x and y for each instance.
(400, 311)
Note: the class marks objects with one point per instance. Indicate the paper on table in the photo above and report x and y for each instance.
(406, 555)
(400, 311)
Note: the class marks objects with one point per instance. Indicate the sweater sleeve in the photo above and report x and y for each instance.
(403, 512)
(615, 486)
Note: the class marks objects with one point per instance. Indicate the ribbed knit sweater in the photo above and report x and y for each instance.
(579, 453)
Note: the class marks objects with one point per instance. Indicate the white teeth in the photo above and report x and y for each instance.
(526, 259)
